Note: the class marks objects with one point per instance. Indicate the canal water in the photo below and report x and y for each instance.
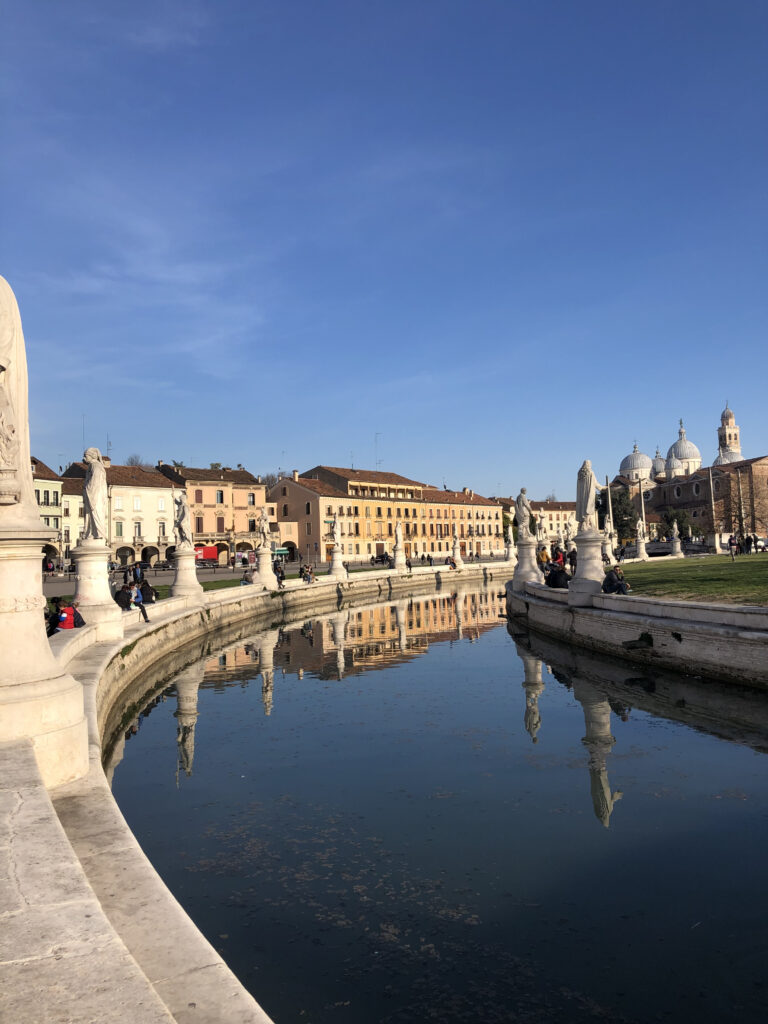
(410, 813)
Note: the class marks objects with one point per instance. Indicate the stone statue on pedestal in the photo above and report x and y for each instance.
(182, 522)
(523, 513)
(264, 538)
(586, 492)
(675, 528)
(16, 485)
(399, 534)
(640, 527)
(95, 496)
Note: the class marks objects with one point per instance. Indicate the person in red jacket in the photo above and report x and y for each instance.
(70, 617)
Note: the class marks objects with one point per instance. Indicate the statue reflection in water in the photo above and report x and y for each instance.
(599, 742)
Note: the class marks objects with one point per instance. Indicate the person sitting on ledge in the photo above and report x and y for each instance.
(614, 582)
(557, 577)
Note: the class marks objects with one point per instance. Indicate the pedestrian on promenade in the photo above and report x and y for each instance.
(138, 602)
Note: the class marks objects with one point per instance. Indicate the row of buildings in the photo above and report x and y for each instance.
(226, 505)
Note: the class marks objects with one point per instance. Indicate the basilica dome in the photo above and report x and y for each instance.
(636, 466)
(674, 467)
(726, 455)
(657, 465)
(686, 451)
(726, 416)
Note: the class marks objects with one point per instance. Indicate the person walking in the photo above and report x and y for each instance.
(572, 556)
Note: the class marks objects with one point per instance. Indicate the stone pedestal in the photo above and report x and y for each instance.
(588, 580)
(185, 582)
(398, 555)
(510, 554)
(606, 548)
(534, 687)
(527, 569)
(38, 701)
(456, 553)
(713, 542)
(187, 686)
(640, 551)
(265, 574)
(337, 570)
(677, 550)
(92, 593)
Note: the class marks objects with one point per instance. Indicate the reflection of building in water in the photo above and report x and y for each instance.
(599, 742)
(534, 687)
(187, 684)
(357, 639)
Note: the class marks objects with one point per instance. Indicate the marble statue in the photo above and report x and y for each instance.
(95, 496)
(523, 513)
(675, 528)
(182, 521)
(399, 534)
(568, 532)
(510, 536)
(16, 484)
(607, 528)
(586, 492)
(334, 529)
(640, 527)
(264, 538)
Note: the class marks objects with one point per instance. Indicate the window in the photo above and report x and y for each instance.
(66, 508)
(198, 524)
(46, 497)
(46, 520)
(161, 529)
(389, 529)
(389, 513)
(678, 492)
(378, 512)
(118, 503)
(251, 526)
(37, 496)
(199, 496)
(137, 529)
(306, 509)
(55, 498)
(56, 522)
(367, 512)
(357, 510)
(137, 504)
(285, 511)
(328, 510)
(219, 497)
(697, 489)
(66, 535)
(285, 492)
(118, 529)
(80, 512)
(357, 529)
(251, 498)
(309, 529)
(219, 524)
(161, 504)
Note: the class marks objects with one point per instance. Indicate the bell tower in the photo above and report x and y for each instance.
(728, 432)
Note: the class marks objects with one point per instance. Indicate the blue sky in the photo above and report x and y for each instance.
(501, 236)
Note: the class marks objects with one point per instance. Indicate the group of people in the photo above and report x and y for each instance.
(738, 545)
(555, 565)
(137, 595)
(62, 616)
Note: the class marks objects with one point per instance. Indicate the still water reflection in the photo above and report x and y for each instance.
(405, 813)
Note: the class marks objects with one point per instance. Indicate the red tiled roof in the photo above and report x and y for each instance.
(186, 474)
(127, 476)
(42, 472)
(437, 494)
(319, 487)
(366, 476)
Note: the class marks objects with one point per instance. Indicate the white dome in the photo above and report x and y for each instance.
(683, 448)
(658, 465)
(726, 416)
(726, 455)
(637, 461)
(674, 467)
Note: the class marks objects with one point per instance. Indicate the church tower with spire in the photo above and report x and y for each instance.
(728, 432)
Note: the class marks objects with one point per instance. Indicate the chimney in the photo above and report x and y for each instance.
(258, 479)
(295, 474)
(107, 461)
(160, 463)
(465, 490)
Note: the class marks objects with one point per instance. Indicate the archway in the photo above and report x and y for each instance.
(125, 555)
(150, 554)
(223, 556)
(50, 555)
(292, 552)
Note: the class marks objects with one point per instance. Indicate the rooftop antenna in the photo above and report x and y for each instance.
(109, 448)
(83, 431)
(351, 460)
(376, 460)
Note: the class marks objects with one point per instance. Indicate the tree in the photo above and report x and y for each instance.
(624, 512)
(551, 497)
(136, 460)
(682, 518)
(270, 479)
(177, 464)
(215, 465)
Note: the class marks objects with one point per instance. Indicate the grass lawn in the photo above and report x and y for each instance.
(708, 578)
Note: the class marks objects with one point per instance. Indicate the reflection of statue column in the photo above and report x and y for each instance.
(187, 685)
(38, 702)
(534, 687)
(401, 616)
(338, 635)
(458, 603)
(266, 645)
(599, 742)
